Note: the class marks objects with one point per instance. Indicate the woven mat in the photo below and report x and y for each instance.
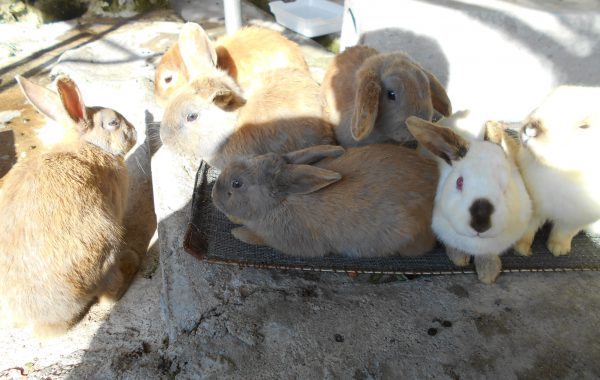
(208, 238)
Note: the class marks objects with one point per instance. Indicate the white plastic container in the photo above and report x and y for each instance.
(310, 18)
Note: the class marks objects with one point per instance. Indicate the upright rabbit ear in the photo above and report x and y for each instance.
(439, 97)
(196, 49)
(304, 179)
(440, 141)
(313, 154)
(44, 100)
(495, 132)
(72, 100)
(366, 104)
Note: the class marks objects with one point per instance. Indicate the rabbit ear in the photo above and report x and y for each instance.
(227, 99)
(495, 132)
(440, 141)
(439, 97)
(305, 179)
(313, 154)
(44, 100)
(72, 100)
(366, 104)
(196, 49)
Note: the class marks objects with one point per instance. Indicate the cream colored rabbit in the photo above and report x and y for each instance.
(213, 119)
(242, 55)
(61, 226)
(559, 162)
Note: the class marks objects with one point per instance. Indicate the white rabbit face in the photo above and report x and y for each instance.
(471, 193)
(563, 132)
(194, 126)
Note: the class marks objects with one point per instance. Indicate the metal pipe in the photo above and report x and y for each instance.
(233, 15)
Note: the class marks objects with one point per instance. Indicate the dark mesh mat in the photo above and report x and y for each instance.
(208, 238)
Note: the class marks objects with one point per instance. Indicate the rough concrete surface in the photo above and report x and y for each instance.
(186, 319)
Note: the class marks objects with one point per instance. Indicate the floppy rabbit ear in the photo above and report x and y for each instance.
(440, 141)
(313, 154)
(196, 49)
(366, 104)
(44, 100)
(72, 100)
(304, 179)
(227, 99)
(495, 132)
(439, 97)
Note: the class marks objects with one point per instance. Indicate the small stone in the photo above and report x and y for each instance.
(446, 323)
(338, 338)
(432, 331)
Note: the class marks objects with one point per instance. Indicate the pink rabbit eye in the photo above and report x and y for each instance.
(459, 183)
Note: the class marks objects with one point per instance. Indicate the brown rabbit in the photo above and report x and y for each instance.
(370, 95)
(242, 55)
(370, 201)
(61, 227)
(212, 119)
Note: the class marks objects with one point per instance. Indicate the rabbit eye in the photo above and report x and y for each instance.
(391, 95)
(584, 126)
(168, 79)
(459, 183)
(192, 117)
(114, 123)
(236, 184)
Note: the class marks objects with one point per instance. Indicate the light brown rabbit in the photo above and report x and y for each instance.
(212, 119)
(370, 95)
(370, 201)
(61, 226)
(242, 55)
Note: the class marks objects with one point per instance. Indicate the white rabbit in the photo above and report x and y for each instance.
(559, 162)
(482, 206)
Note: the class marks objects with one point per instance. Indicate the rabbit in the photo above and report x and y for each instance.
(61, 228)
(559, 162)
(242, 55)
(211, 118)
(369, 95)
(482, 206)
(366, 201)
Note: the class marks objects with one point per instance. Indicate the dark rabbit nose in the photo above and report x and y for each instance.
(481, 211)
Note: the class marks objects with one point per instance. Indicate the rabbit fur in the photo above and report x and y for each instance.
(61, 227)
(482, 206)
(369, 95)
(365, 202)
(243, 55)
(559, 162)
(211, 118)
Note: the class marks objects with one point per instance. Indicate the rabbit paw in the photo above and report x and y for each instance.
(559, 247)
(523, 247)
(247, 236)
(458, 257)
(488, 268)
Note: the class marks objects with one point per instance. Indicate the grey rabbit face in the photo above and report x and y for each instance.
(109, 130)
(244, 189)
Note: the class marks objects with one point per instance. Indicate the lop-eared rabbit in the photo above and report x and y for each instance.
(482, 206)
(61, 228)
(212, 119)
(369, 95)
(243, 55)
(559, 162)
(365, 202)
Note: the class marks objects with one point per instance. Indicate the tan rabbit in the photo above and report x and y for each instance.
(559, 162)
(370, 95)
(212, 119)
(370, 201)
(242, 55)
(61, 226)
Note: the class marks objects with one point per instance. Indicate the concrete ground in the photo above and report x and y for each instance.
(183, 318)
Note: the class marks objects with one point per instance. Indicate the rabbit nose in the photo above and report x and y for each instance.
(481, 211)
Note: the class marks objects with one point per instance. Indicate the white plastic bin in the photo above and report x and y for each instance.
(310, 18)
